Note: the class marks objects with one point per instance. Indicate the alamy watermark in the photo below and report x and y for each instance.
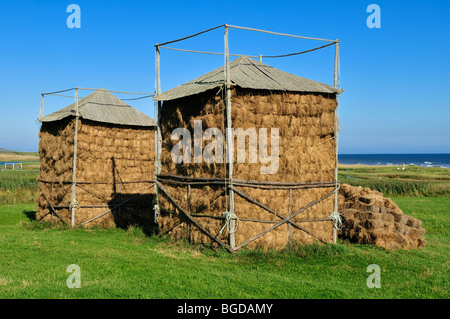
(188, 151)
(374, 280)
(374, 20)
(74, 20)
(74, 280)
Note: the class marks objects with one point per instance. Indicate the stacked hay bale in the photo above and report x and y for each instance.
(305, 119)
(369, 218)
(114, 166)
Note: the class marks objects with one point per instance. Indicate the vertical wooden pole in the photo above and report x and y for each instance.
(41, 111)
(188, 222)
(51, 198)
(158, 138)
(290, 212)
(260, 60)
(229, 136)
(158, 110)
(336, 47)
(74, 169)
(336, 208)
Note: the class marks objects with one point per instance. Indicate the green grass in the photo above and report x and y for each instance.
(414, 181)
(18, 186)
(118, 263)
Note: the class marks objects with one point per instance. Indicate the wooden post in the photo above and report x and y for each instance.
(336, 46)
(289, 214)
(336, 208)
(74, 169)
(158, 111)
(158, 138)
(41, 111)
(260, 58)
(229, 136)
(188, 223)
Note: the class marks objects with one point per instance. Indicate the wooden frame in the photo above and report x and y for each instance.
(229, 182)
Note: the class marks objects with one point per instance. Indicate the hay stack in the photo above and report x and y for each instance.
(115, 164)
(369, 218)
(306, 154)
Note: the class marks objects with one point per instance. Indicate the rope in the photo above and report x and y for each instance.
(228, 217)
(297, 53)
(331, 138)
(337, 220)
(63, 95)
(156, 209)
(277, 33)
(190, 36)
(251, 56)
(206, 52)
(74, 204)
(111, 91)
(138, 98)
(49, 93)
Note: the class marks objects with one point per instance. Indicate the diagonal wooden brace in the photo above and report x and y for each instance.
(288, 219)
(217, 240)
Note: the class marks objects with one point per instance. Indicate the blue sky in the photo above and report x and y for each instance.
(396, 78)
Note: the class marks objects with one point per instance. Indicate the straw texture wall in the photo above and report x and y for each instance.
(114, 163)
(306, 154)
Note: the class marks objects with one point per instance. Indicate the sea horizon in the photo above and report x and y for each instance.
(418, 159)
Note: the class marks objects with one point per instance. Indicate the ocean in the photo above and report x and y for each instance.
(424, 160)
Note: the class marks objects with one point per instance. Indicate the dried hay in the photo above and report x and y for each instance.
(369, 218)
(306, 154)
(109, 158)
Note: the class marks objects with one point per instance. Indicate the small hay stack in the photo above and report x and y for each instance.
(115, 164)
(370, 218)
(261, 97)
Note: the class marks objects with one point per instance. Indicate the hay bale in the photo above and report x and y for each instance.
(369, 218)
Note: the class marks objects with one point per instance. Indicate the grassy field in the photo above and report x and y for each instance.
(117, 263)
(413, 181)
(19, 186)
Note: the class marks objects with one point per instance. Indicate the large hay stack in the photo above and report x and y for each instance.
(114, 164)
(262, 97)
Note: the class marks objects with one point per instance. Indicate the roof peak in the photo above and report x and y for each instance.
(103, 106)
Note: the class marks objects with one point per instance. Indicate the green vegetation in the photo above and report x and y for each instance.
(117, 263)
(18, 186)
(412, 182)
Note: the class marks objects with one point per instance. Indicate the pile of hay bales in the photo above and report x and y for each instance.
(370, 218)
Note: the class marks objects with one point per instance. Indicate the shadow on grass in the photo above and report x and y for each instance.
(31, 214)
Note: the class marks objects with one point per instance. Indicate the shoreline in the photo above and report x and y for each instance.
(340, 165)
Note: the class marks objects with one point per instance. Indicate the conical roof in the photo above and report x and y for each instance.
(251, 74)
(102, 106)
